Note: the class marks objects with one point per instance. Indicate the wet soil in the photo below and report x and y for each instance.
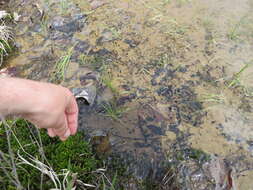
(173, 67)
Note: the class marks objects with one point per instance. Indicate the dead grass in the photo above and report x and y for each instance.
(5, 38)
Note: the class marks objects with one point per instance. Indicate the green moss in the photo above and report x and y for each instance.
(199, 155)
(74, 154)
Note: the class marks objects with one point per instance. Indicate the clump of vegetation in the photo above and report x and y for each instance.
(234, 32)
(174, 29)
(5, 36)
(106, 80)
(116, 34)
(236, 78)
(29, 159)
(163, 61)
(198, 155)
(61, 67)
(178, 2)
(216, 98)
(113, 111)
(207, 23)
(236, 81)
(64, 5)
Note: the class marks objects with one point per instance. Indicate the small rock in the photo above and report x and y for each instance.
(124, 99)
(165, 91)
(82, 46)
(101, 144)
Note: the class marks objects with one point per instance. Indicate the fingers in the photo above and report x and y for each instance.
(62, 130)
(68, 123)
(50, 132)
(72, 115)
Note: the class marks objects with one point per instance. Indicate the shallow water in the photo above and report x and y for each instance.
(170, 63)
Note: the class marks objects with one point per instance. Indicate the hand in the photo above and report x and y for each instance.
(56, 110)
(45, 105)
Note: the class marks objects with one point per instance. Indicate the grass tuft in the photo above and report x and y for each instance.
(61, 67)
(234, 33)
(107, 80)
(236, 78)
(5, 38)
(113, 111)
(216, 98)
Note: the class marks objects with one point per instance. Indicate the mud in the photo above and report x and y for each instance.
(172, 67)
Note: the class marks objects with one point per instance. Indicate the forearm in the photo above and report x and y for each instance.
(45, 105)
(14, 99)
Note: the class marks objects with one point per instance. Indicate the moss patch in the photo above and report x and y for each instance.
(74, 154)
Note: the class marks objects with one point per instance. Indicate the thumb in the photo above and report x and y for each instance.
(71, 113)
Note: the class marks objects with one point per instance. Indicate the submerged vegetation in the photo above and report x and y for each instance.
(216, 98)
(5, 36)
(236, 78)
(235, 31)
(61, 67)
(113, 111)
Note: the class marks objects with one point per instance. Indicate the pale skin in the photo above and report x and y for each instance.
(46, 105)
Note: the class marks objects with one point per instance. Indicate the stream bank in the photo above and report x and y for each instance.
(172, 82)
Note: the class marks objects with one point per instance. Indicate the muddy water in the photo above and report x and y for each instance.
(170, 65)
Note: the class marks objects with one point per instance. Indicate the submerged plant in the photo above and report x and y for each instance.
(163, 61)
(234, 33)
(236, 78)
(61, 67)
(113, 111)
(65, 4)
(106, 79)
(217, 98)
(5, 38)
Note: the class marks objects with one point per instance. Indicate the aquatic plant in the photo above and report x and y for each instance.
(65, 4)
(116, 33)
(217, 98)
(236, 78)
(61, 67)
(234, 32)
(5, 37)
(106, 79)
(163, 61)
(113, 111)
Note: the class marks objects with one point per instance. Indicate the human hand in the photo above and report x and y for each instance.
(56, 110)
(48, 106)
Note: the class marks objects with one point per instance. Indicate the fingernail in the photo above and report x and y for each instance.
(67, 133)
(51, 133)
(63, 139)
